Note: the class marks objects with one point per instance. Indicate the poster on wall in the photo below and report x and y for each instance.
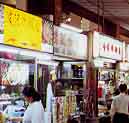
(69, 43)
(14, 73)
(22, 29)
(107, 47)
(47, 42)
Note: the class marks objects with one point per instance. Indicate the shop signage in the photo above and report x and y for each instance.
(107, 47)
(47, 43)
(22, 29)
(69, 43)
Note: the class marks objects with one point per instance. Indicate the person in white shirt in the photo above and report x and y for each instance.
(35, 111)
(120, 106)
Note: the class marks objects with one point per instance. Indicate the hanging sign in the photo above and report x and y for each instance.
(22, 29)
(69, 43)
(107, 47)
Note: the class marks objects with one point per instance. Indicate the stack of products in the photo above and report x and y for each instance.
(57, 106)
(63, 107)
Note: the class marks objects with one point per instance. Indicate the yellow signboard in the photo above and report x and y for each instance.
(22, 29)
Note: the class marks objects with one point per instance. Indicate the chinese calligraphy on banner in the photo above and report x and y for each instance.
(107, 47)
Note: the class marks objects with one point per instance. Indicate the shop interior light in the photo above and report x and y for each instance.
(1, 38)
(105, 60)
(76, 62)
(98, 63)
(124, 66)
(59, 58)
(69, 19)
(34, 54)
(52, 63)
(71, 27)
(9, 49)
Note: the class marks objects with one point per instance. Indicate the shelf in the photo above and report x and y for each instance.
(79, 94)
(104, 79)
(71, 79)
(78, 78)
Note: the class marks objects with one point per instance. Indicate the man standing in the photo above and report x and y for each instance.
(119, 107)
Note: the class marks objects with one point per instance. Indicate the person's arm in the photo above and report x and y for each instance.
(113, 109)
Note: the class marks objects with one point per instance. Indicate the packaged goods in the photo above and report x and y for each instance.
(63, 107)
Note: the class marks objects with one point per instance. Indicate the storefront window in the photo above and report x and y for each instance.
(16, 71)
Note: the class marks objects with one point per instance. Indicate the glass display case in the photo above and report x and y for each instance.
(15, 73)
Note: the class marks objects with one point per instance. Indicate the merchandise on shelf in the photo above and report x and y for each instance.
(63, 107)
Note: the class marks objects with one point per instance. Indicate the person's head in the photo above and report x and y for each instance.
(30, 94)
(123, 88)
(117, 92)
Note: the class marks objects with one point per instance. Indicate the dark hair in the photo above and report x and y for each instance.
(123, 88)
(117, 92)
(29, 91)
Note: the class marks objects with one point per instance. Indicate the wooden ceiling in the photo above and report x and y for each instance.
(10, 2)
(114, 10)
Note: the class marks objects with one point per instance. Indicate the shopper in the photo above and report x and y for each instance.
(35, 111)
(119, 107)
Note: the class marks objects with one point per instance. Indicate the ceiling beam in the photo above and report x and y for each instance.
(124, 32)
(41, 7)
(57, 11)
(109, 27)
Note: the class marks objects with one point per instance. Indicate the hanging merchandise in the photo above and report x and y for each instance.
(63, 107)
(50, 95)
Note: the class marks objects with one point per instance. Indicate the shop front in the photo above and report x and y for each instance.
(123, 68)
(23, 60)
(70, 50)
(107, 52)
(34, 52)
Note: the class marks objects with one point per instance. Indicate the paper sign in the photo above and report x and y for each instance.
(22, 29)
